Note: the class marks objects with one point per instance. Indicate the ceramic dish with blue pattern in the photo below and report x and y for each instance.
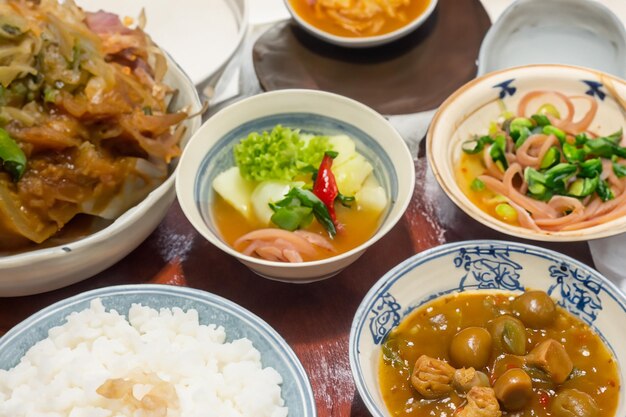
(586, 103)
(489, 267)
(238, 323)
(210, 153)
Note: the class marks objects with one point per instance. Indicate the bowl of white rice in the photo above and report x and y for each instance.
(150, 351)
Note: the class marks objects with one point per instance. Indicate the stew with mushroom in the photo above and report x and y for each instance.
(494, 354)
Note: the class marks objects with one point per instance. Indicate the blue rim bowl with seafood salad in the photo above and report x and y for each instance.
(369, 161)
(425, 283)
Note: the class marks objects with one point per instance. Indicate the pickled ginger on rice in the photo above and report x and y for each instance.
(84, 121)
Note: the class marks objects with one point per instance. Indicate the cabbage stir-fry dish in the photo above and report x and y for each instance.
(295, 197)
(84, 126)
(545, 169)
(358, 18)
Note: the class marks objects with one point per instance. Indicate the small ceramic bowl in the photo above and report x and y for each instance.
(210, 152)
(364, 41)
(555, 32)
(471, 109)
(50, 268)
(482, 266)
(237, 322)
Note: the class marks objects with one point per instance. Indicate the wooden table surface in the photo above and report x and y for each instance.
(314, 318)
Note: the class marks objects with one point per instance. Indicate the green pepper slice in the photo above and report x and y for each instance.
(12, 156)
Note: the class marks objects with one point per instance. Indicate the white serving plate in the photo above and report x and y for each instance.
(47, 269)
(201, 35)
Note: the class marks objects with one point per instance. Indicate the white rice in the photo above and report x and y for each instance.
(59, 376)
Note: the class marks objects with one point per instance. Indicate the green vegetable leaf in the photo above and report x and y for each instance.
(553, 130)
(476, 145)
(497, 152)
(391, 354)
(279, 155)
(572, 154)
(581, 139)
(590, 168)
(297, 197)
(541, 120)
(345, 200)
(292, 217)
(619, 169)
(604, 147)
(557, 176)
(520, 136)
(12, 157)
(604, 191)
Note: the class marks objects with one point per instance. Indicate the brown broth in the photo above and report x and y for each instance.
(430, 329)
(322, 21)
(359, 226)
(468, 168)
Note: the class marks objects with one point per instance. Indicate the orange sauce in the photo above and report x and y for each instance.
(341, 22)
(468, 168)
(424, 333)
(359, 226)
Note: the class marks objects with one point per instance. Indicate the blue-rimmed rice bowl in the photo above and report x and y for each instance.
(237, 322)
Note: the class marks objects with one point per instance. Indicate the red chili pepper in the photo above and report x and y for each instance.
(544, 399)
(325, 187)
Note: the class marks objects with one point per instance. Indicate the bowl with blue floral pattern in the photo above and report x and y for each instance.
(533, 181)
(305, 114)
(488, 267)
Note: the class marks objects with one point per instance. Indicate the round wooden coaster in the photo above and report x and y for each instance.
(413, 74)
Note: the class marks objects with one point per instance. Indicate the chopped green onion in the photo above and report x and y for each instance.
(549, 109)
(551, 158)
(552, 130)
(590, 168)
(604, 191)
(572, 154)
(536, 183)
(619, 169)
(581, 139)
(582, 187)
(541, 120)
(476, 145)
(520, 122)
(497, 153)
(604, 147)
(520, 136)
(557, 176)
(477, 185)
(472, 147)
(506, 212)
